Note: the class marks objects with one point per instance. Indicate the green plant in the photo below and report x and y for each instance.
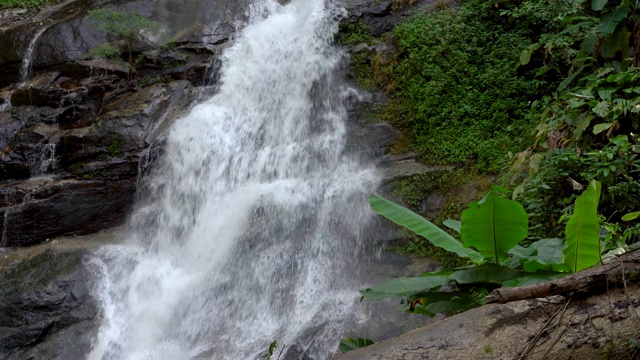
(115, 148)
(105, 52)
(351, 34)
(25, 3)
(493, 226)
(271, 351)
(124, 25)
(455, 92)
(93, 174)
(349, 344)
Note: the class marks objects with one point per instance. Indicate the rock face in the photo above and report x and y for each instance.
(596, 327)
(50, 315)
(381, 15)
(71, 138)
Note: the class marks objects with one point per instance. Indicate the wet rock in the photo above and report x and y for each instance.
(381, 15)
(67, 207)
(66, 35)
(93, 160)
(585, 330)
(46, 309)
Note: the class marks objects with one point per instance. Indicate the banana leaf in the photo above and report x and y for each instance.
(582, 247)
(494, 225)
(421, 226)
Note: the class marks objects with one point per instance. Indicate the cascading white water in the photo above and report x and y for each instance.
(251, 221)
(27, 60)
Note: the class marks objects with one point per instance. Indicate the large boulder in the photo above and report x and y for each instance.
(46, 306)
(73, 169)
(598, 326)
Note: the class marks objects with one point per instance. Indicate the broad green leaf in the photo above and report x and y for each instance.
(525, 56)
(590, 42)
(549, 256)
(521, 254)
(494, 226)
(404, 287)
(597, 5)
(544, 254)
(453, 225)
(533, 278)
(582, 248)
(601, 127)
(618, 40)
(485, 273)
(602, 109)
(442, 302)
(610, 20)
(421, 226)
(631, 216)
(349, 344)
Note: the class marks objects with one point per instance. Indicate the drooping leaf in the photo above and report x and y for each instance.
(597, 5)
(590, 42)
(618, 40)
(349, 344)
(494, 226)
(547, 256)
(404, 287)
(601, 127)
(533, 278)
(453, 225)
(582, 248)
(421, 226)
(563, 85)
(521, 254)
(631, 216)
(610, 20)
(485, 273)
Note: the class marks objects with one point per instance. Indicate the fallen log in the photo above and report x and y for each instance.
(598, 278)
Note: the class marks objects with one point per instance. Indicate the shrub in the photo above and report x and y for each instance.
(105, 52)
(457, 93)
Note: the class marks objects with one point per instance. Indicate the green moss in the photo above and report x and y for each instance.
(93, 174)
(115, 148)
(25, 3)
(351, 34)
(453, 88)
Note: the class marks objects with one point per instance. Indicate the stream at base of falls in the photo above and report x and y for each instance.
(251, 226)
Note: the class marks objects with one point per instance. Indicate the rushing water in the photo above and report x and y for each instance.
(249, 227)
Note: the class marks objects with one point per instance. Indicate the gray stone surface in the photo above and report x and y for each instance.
(46, 306)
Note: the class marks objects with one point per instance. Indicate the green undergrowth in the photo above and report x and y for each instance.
(457, 187)
(453, 87)
(351, 34)
(25, 3)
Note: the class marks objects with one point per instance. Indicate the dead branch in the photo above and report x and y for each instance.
(592, 280)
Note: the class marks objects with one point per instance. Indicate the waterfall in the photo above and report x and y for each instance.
(27, 60)
(249, 227)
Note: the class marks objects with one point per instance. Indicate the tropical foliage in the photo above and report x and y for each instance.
(491, 230)
(586, 54)
(454, 90)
